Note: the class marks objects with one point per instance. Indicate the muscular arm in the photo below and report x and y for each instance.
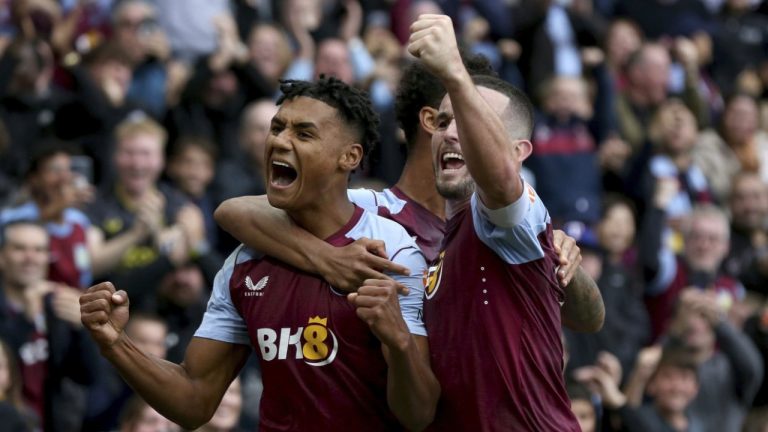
(188, 393)
(262, 227)
(583, 310)
(412, 389)
(489, 151)
(208, 368)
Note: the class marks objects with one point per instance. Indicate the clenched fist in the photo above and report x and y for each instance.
(378, 305)
(433, 41)
(104, 312)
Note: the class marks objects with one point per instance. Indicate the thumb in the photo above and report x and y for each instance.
(351, 297)
(120, 298)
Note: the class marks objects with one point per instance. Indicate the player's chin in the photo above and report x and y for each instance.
(280, 198)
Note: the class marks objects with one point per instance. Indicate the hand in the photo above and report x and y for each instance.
(475, 30)
(192, 224)
(569, 255)
(434, 42)
(348, 267)
(156, 44)
(104, 312)
(66, 305)
(647, 360)
(610, 364)
(377, 304)
(600, 381)
(151, 211)
(666, 189)
(510, 49)
(172, 243)
(687, 53)
(613, 154)
(592, 57)
(353, 20)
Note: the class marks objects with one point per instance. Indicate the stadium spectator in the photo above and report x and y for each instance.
(706, 237)
(12, 408)
(138, 34)
(141, 226)
(626, 329)
(226, 417)
(138, 416)
(738, 146)
(729, 365)
(56, 198)
(40, 321)
(747, 254)
(583, 406)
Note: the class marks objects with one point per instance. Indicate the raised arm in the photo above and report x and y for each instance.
(491, 155)
(258, 225)
(202, 379)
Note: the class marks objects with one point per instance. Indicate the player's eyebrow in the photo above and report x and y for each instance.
(443, 116)
(305, 125)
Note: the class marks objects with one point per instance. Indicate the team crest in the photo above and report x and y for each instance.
(433, 277)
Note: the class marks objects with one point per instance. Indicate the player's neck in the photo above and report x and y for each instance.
(455, 206)
(418, 181)
(324, 217)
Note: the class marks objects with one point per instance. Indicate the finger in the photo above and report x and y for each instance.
(386, 265)
(104, 286)
(424, 21)
(364, 301)
(94, 296)
(351, 297)
(570, 273)
(94, 319)
(376, 247)
(374, 290)
(367, 315)
(94, 306)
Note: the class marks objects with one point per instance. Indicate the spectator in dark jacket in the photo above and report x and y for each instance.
(40, 321)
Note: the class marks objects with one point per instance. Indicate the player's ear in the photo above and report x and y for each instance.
(351, 158)
(523, 148)
(427, 116)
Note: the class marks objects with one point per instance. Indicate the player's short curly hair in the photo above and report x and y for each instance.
(419, 88)
(352, 104)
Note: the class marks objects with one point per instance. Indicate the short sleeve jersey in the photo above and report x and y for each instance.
(422, 224)
(492, 311)
(322, 367)
(70, 260)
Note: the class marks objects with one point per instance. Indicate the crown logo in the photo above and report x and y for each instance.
(317, 320)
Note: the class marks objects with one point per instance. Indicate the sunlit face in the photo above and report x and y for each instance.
(677, 128)
(149, 336)
(616, 231)
(451, 175)
(139, 161)
(673, 388)
(228, 413)
(749, 203)
(741, 120)
(255, 129)
(192, 170)
(305, 146)
(333, 60)
(706, 243)
(268, 49)
(24, 256)
(567, 97)
(585, 414)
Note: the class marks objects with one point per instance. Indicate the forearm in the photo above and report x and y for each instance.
(745, 359)
(108, 253)
(252, 221)
(160, 383)
(485, 144)
(583, 310)
(412, 389)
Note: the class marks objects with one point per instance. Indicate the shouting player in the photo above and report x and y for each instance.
(493, 302)
(329, 361)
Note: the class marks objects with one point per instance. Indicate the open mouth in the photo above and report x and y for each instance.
(451, 161)
(283, 174)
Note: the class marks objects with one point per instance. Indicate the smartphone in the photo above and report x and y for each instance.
(82, 166)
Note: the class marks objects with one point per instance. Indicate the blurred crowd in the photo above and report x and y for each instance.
(124, 123)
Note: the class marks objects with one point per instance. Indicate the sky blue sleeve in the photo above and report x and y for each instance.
(221, 321)
(412, 304)
(364, 198)
(512, 232)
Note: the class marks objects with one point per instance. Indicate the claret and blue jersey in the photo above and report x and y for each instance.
(493, 317)
(322, 367)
